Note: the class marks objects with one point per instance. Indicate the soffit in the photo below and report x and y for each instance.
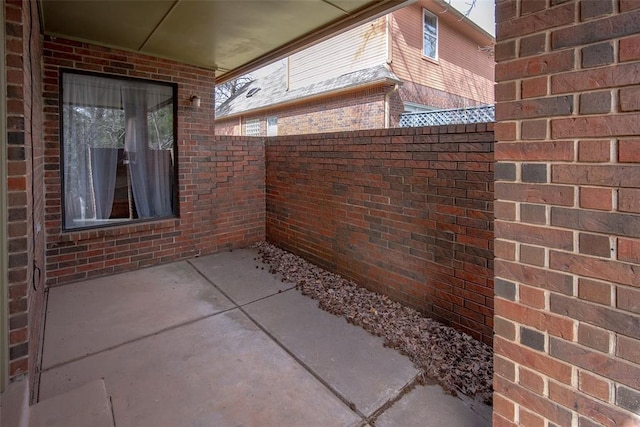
(230, 37)
(459, 21)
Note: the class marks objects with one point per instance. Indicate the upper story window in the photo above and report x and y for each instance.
(429, 34)
(118, 150)
(252, 127)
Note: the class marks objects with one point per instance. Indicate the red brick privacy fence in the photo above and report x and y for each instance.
(406, 212)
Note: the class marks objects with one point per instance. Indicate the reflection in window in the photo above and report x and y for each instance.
(118, 150)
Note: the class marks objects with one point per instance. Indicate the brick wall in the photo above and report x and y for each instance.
(407, 212)
(396, 108)
(425, 95)
(25, 193)
(567, 244)
(360, 109)
(220, 179)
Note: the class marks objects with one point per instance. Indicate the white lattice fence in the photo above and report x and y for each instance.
(455, 116)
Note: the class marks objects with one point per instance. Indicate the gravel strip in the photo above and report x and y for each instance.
(456, 360)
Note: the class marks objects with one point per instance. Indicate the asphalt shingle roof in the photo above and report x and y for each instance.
(273, 89)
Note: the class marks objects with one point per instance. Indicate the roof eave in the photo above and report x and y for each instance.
(350, 21)
(478, 32)
(330, 92)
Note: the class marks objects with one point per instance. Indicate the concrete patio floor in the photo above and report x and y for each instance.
(219, 341)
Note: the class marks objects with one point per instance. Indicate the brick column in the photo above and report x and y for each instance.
(567, 307)
(24, 186)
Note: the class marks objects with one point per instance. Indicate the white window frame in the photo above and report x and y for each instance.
(272, 126)
(425, 14)
(252, 127)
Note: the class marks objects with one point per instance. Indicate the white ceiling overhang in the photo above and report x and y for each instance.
(230, 37)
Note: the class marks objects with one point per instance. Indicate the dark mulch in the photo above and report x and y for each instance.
(456, 360)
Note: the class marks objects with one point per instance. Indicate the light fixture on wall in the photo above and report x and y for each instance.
(195, 101)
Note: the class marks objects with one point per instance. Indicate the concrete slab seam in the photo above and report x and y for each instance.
(469, 403)
(143, 337)
(339, 395)
(113, 414)
(36, 386)
(417, 380)
(317, 376)
(259, 299)
(201, 273)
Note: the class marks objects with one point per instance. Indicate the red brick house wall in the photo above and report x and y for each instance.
(220, 179)
(396, 108)
(25, 154)
(567, 345)
(406, 212)
(359, 109)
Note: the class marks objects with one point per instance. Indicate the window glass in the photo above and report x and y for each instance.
(118, 150)
(430, 35)
(272, 126)
(416, 108)
(252, 127)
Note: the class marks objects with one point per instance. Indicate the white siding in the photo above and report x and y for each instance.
(357, 49)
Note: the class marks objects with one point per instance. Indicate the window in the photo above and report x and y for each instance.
(118, 150)
(272, 126)
(252, 127)
(410, 107)
(252, 92)
(429, 34)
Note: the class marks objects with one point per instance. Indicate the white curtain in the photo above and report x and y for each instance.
(101, 116)
(104, 163)
(149, 164)
(90, 146)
